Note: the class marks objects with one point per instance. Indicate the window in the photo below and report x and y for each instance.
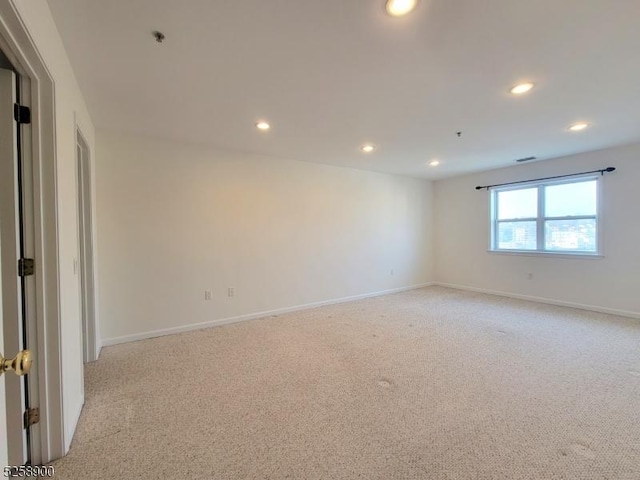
(546, 216)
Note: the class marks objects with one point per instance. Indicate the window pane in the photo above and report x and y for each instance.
(570, 235)
(521, 203)
(571, 199)
(517, 235)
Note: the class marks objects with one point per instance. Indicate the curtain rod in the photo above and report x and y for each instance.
(601, 172)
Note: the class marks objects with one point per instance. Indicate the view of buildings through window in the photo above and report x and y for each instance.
(551, 217)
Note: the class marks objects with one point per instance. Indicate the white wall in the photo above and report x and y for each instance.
(70, 108)
(610, 283)
(177, 219)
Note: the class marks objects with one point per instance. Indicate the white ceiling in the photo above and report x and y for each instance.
(330, 75)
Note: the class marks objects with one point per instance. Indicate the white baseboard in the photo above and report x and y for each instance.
(549, 301)
(251, 316)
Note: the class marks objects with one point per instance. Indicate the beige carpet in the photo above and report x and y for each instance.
(427, 384)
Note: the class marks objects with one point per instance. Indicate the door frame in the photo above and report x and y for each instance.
(39, 149)
(86, 253)
(4, 449)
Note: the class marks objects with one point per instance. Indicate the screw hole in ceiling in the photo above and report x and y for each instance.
(159, 36)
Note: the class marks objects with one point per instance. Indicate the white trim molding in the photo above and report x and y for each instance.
(252, 316)
(87, 235)
(73, 424)
(548, 301)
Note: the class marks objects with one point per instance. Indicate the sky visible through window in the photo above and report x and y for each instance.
(514, 204)
(571, 199)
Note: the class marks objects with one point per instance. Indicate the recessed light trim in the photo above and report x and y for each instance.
(398, 8)
(521, 88)
(434, 163)
(262, 125)
(368, 148)
(578, 126)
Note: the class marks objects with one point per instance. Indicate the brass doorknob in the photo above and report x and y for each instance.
(21, 364)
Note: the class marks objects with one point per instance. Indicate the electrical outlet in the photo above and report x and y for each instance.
(530, 276)
(231, 292)
(391, 272)
(207, 294)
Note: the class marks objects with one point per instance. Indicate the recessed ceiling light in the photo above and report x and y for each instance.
(367, 148)
(397, 8)
(577, 127)
(434, 163)
(522, 88)
(263, 126)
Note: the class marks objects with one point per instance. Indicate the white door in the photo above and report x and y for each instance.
(13, 439)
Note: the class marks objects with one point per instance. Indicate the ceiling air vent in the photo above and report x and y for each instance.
(525, 159)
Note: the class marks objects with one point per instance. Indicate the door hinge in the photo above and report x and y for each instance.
(31, 417)
(26, 267)
(21, 114)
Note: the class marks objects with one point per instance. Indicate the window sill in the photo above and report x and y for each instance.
(527, 253)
